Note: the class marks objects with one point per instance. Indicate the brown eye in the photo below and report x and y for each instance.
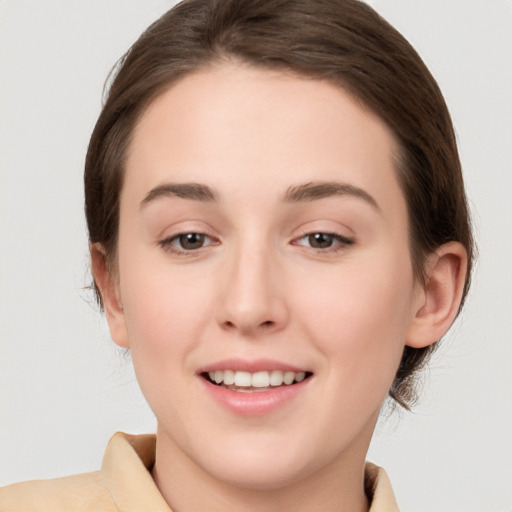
(190, 241)
(187, 244)
(324, 242)
(320, 240)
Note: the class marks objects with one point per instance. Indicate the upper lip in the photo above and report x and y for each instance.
(251, 366)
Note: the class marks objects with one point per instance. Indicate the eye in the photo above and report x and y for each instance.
(186, 242)
(324, 241)
(190, 241)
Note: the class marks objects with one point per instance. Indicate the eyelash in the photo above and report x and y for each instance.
(340, 242)
(169, 244)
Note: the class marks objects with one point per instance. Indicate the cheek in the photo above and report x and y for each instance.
(164, 326)
(359, 319)
(164, 311)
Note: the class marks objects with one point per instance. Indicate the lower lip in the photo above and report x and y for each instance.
(254, 403)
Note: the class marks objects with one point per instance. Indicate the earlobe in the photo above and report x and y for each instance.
(108, 286)
(439, 302)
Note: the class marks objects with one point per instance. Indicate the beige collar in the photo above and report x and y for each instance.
(129, 458)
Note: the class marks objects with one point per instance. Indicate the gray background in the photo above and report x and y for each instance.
(65, 388)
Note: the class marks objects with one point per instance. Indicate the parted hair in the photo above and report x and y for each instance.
(344, 42)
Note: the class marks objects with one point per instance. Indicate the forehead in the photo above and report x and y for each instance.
(233, 124)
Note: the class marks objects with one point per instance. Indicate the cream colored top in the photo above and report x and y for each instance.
(124, 484)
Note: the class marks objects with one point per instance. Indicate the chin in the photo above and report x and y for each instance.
(260, 475)
(261, 463)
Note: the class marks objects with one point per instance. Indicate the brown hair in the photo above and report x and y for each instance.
(342, 41)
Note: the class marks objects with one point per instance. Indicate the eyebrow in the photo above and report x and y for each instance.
(299, 193)
(194, 191)
(319, 190)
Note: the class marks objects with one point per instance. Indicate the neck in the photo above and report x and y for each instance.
(187, 487)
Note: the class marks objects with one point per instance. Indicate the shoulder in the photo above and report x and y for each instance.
(378, 489)
(123, 482)
(80, 493)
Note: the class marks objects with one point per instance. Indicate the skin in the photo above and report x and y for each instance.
(258, 288)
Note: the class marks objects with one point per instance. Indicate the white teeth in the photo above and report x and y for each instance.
(299, 377)
(288, 377)
(243, 379)
(262, 379)
(229, 377)
(276, 378)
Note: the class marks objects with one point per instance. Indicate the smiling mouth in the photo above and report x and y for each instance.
(247, 382)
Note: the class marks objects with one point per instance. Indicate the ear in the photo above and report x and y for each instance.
(108, 286)
(437, 303)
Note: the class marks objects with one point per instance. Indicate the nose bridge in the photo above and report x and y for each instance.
(252, 298)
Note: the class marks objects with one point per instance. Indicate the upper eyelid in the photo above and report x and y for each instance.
(167, 245)
(168, 240)
(325, 224)
(334, 233)
(303, 234)
(341, 238)
(174, 236)
(183, 227)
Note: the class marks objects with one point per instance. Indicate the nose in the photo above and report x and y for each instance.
(253, 295)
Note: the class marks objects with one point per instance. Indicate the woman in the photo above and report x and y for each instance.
(279, 234)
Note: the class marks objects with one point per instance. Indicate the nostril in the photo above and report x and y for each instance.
(265, 325)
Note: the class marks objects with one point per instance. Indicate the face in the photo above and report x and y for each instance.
(263, 236)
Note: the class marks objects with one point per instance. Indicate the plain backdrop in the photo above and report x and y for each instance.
(65, 388)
